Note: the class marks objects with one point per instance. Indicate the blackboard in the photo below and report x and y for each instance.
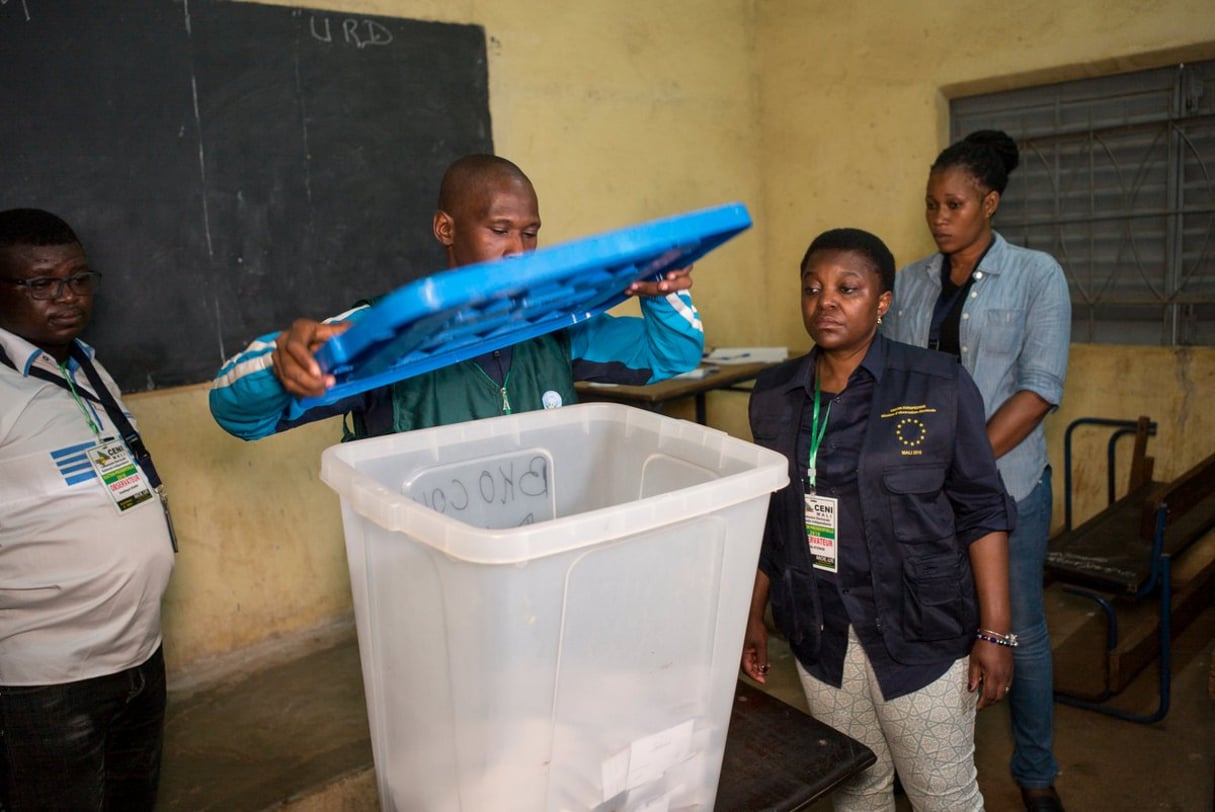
(230, 166)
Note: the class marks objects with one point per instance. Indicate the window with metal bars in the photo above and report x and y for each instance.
(1117, 182)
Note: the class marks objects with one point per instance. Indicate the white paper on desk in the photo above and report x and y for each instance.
(747, 355)
(695, 374)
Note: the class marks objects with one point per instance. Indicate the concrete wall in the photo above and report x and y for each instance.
(855, 101)
(1174, 387)
(814, 114)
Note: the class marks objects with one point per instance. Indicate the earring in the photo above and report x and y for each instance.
(879, 318)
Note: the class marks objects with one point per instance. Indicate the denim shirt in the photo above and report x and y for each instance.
(1014, 335)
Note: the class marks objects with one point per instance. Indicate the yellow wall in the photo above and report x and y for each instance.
(261, 548)
(1174, 387)
(814, 114)
(855, 101)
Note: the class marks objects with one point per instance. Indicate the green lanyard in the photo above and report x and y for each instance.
(502, 389)
(816, 436)
(76, 396)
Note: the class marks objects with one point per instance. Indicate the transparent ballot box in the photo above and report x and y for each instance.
(551, 605)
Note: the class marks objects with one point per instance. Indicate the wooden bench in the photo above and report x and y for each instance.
(1140, 559)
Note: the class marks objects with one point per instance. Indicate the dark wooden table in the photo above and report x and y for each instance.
(656, 395)
(779, 758)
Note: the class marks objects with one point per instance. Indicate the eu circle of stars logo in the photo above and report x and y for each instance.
(911, 432)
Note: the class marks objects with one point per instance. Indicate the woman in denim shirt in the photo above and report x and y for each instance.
(1005, 313)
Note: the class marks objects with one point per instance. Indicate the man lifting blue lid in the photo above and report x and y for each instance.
(487, 210)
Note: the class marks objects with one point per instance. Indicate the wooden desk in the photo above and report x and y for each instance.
(656, 395)
(778, 758)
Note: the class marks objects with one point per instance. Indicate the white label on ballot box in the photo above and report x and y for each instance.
(507, 490)
(646, 759)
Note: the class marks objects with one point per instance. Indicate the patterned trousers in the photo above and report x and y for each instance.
(928, 736)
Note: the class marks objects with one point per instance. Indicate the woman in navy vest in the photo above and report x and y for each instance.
(886, 557)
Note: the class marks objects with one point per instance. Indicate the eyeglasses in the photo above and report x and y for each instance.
(45, 288)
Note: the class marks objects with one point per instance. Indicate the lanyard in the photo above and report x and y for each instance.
(501, 389)
(816, 435)
(71, 387)
(103, 396)
(66, 383)
(129, 435)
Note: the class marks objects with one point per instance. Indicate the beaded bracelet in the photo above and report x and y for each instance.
(1009, 640)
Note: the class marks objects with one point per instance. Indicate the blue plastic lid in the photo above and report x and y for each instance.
(465, 312)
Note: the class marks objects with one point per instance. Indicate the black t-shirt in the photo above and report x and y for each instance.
(947, 315)
(943, 332)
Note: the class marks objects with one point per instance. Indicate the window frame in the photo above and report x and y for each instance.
(1117, 182)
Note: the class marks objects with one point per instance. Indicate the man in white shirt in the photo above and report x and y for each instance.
(85, 546)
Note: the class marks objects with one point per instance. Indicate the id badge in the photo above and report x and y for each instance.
(822, 520)
(123, 480)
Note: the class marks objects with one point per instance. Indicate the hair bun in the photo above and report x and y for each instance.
(1000, 143)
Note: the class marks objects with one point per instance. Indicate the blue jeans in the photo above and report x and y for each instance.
(90, 745)
(1031, 701)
